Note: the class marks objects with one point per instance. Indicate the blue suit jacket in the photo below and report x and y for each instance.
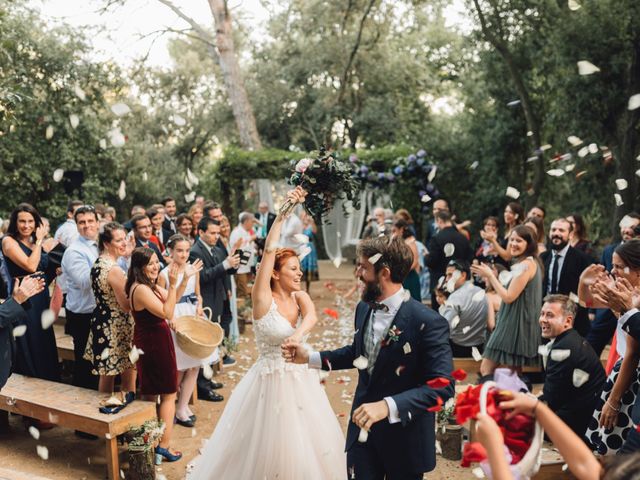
(411, 443)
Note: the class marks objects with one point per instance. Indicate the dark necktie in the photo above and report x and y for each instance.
(554, 273)
(378, 306)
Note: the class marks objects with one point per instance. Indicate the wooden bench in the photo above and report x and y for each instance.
(75, 408)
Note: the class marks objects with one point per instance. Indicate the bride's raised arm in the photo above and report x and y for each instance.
(309, 317)
(261, 293)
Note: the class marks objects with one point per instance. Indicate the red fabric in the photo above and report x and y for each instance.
(613, 355)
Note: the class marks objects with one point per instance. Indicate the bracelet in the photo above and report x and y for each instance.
(617, 410)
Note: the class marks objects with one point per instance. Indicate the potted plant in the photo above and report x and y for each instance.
(141, 442)
(449, 433)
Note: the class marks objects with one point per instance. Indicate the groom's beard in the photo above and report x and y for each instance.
(371, 292)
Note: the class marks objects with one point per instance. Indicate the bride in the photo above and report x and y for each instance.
(278, 422)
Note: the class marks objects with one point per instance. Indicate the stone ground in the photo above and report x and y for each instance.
(74, 458)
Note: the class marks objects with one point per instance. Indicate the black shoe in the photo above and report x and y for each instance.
(228, 360)
(192, 418)
(210, 396)
(86, 436)
(215, 385)
(185, 423)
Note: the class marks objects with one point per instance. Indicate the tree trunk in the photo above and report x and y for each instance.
(242, 111)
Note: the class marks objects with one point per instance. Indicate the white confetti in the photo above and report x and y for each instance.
(79, 92)
(19, 331)
(477, 472)
(374, 258)
(618, 199)
(475, 353)
(565, 467)
(438, 448)
(103, 143)
(543, 350)
(120, 109)
(134, 354)
(179, 121)
(505, 277)
(74, 120)
(304, 251)
(583, 152)
(399, 370)
(337, 262)
(145, 177)
(116, 137)
(587, 68)
(634, 101)
(479, 296)
(47, 318)
(474, 165)
(570, 167)
(48, 133)
(363, 436)
(560, 354)
(574, 5)
(406, 296)
(555, 172)
(105, 354)
(574, 298)
(621, 184)
(406, 348)
(35, 433)
(432, 174)
(425, 198)
(518, 269)
(58, 173)
(190, 197)
(43, 452)
(207, 371)
(466, 329)
(593, 148)
(455, 321)
(301, 238)
(574, 141)
(512, 193)
(450, 286)
(192, 178)
(361, 362)
(122, 190)
(449, 249)
(545, 147)
(580, 377)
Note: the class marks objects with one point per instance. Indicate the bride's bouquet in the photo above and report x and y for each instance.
(326, 179)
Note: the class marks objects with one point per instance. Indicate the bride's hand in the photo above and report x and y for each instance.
(297, 195)
(294, 339)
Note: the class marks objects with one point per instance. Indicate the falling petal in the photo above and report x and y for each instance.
(190, 197)
(438, 448)
(574, 5)
(479, 296)
(363, 436)
(116, 138)
(455, 321)
(583, 152)
(374, 258)
(475, 353)
(74, 120)
(513, 103)
(79, 92)
(545, 147)
(580, 377)
(304, 251)
(145, 177)
(19, 331)
(432, 174)
(35, 433)
(406, 296)
(582, 173)
(58, 173)
(466, 329)
(451, 285)
(570, 167)
(192, 178)
(574, 298)
(425, 198)
(120, 109)
(361, 362)
(634, 101)
(505, 277)
(587, 68)
(400, 369)
(47, 318)
(406, 348)
(574, 141)
(337, 262)
(48, 134)
(593, 148)
(207, 371)
(301, 238)
(43, 452)
(122, 190)
(560, 354)
(529, 133)
(474, 165)
(449, 249)
(621, 184)
(532, 159)
(134, 354)
(179, 121)
(565, 467)
(512, 193)
(103, 143)
(555, 172)
(618, 199)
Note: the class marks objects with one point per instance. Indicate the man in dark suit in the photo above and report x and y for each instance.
(440, 205)
(11, 314)
(212, 287)
(401, 348)
(605, 322)
(170, 211)
(135, 210)
(266, 218)
(440, 250)
(142, 230)
(574, 375)
(563, 266)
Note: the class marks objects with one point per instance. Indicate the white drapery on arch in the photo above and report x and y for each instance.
(341, 231)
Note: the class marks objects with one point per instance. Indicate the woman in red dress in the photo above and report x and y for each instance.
(150, 306)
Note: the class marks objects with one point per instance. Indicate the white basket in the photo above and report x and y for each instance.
(529, 465)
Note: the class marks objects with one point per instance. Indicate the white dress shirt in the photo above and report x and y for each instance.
(247, 245)
(381, 322)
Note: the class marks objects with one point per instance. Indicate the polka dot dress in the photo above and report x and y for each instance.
(608, 441)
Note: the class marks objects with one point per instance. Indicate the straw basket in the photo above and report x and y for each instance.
(198, 337)
(529, 465)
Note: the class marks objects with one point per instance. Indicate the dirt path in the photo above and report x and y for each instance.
(74, 458)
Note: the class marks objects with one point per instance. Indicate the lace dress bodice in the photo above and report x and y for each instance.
(270, 331)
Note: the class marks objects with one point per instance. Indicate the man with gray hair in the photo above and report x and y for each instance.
(266, 218)
(574, 374)
(243, 239)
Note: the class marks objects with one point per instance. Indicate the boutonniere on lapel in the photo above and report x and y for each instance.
(392, 336)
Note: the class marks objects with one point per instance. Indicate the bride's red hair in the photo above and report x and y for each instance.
(282, 255)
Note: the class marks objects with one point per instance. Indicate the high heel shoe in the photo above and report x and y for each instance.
(167, 455)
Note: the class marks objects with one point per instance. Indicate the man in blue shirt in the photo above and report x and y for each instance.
(77, 261)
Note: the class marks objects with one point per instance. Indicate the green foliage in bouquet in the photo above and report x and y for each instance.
(326, 179)
(144, 437)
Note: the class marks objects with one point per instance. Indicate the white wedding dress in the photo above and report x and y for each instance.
(278, 423)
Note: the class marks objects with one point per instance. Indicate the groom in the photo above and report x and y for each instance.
(404, 345)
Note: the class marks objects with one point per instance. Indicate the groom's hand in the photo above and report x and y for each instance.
(369, 413)
(294, 352)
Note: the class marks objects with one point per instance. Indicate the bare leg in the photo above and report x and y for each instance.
(187, 383)
(166, 412)
(128, 380)
(105, 384)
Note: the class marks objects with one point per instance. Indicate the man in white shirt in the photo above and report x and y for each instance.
(67, 232)
(291, 227)
(243, 237)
